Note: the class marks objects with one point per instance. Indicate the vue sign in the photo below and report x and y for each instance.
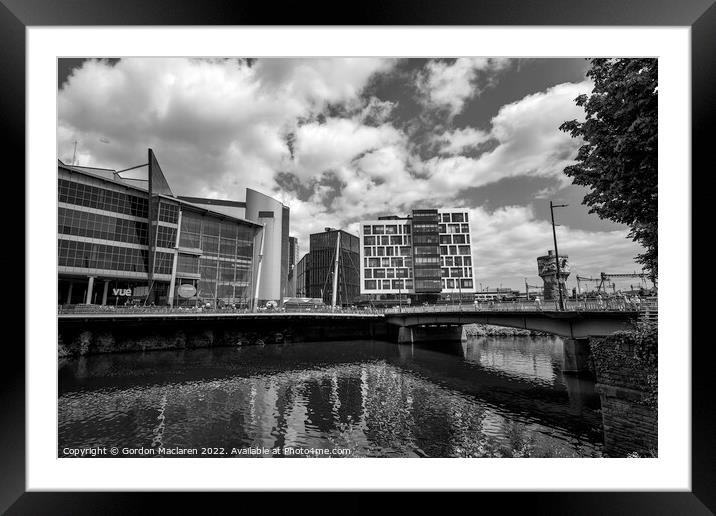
(122, 292)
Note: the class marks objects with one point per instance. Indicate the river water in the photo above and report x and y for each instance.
(485, 397)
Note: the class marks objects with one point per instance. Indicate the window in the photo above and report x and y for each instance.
(373, 262)
(458, 260)
(396, 262)
(450, 283)
(449, 261)
(398, 284)
(391, 229)
(458, 217)
(366, 230)
(467, 260)
(368, 273)
(453, 228)
(379, 273)
(369, 240)
(443, 249)
(446, 217)
(367, 251)
(405, 251)
(458, 239)
(453, 249)
(390, 251)
(385, 240)
(385, 262)
(466, 283)
(390, 273)
(378, 230)
(465, 228)
(441, 228)
(380, 251)
(386, 284)
(370, 285)
(396, 240)
(401, 273)
(445, 239)
(445, 272)
(464, 249)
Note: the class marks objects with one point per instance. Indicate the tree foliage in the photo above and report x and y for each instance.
(618, 160)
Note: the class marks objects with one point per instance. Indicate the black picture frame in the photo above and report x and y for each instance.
(700, 15)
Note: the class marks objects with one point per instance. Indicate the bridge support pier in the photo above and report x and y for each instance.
(415, 334)
(575, 356)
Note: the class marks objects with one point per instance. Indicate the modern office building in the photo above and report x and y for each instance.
(292, 261)
(322, 265)
(426, 254)
(122, 239)
(303, 271)
(274, 217)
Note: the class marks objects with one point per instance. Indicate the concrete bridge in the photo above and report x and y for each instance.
(576, 324)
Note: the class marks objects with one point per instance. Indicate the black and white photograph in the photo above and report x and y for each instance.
(329, 257)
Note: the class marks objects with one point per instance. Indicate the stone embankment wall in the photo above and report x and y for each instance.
(75, 339)
(626, 373)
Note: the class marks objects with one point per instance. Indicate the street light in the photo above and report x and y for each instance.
(556, 252)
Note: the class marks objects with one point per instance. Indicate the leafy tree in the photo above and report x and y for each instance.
(618, 160)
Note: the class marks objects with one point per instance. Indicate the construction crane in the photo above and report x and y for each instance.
(527, 289)
(585, 279)
(606, 277)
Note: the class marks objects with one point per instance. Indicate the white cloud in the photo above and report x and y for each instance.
(217, 126)
(448, 85)
(457, 141)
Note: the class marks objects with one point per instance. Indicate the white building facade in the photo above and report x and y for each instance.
(428, 252)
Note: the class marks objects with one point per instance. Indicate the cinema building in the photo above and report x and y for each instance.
(133, 240)
(426, 256)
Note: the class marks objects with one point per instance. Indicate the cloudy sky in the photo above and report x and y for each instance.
(344, 140)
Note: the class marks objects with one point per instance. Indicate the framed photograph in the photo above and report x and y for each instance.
(401, 248)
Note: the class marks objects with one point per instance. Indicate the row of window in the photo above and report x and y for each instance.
(453, 228)
(454, 217)
(387, 240)
(457, 261)
(387, 229)
(100, 256)
(446, 250)
(93, 225)
(456, 272)
(388, 262)
(98, 198)
(455, 283)
(398, 284)
(386, 284)
(386, 251)
(388, 273)
(459, 238)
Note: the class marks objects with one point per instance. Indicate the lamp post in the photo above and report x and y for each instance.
(556, 252)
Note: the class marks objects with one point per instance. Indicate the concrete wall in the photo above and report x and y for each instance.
(91, 337)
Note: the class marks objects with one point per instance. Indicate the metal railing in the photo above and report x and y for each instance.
(137, 310)
(608, 305)
(647, 307)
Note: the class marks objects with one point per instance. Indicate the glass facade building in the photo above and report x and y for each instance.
(118, 242)
(426, 253)
(322, 263)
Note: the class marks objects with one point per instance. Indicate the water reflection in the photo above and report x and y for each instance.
(486, 397)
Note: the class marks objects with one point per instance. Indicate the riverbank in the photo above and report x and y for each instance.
(489, 330)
